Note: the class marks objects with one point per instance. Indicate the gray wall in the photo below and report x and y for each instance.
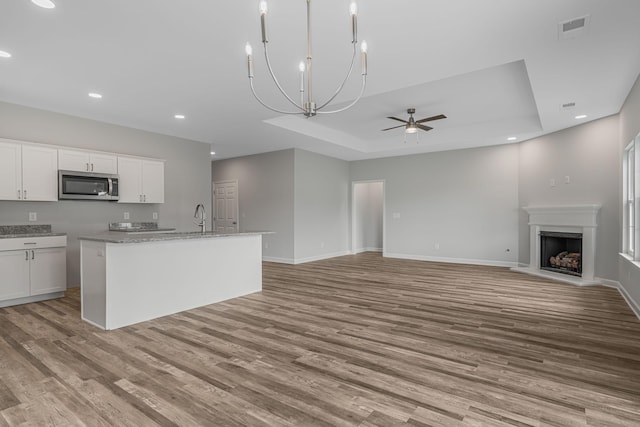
(455, 205)
(321, 224)
(629, 272)
(589, 155)
(265, 197)
(187, 175)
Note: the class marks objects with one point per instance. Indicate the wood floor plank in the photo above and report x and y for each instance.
(358, 340)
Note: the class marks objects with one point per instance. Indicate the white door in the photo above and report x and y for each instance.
(226, 206)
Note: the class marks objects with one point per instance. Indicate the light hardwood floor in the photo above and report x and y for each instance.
(356, 340)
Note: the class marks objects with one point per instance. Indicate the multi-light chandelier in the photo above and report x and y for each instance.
(307, 105)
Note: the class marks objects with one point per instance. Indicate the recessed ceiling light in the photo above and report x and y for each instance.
(213, 153)
(4, 54)
(581, 116)
(47, 4)
(95, 95)
(511, 138)
(179, 116)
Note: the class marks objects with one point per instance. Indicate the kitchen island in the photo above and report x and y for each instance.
(130, 278)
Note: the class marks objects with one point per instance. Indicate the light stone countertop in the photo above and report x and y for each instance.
(144, 237)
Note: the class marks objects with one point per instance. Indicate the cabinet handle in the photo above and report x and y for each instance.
(19, 194)
(140, 197)
(24, 194)
(87, 166)
(91, 167)
(144, 198)
(33, 254)
(26, 255)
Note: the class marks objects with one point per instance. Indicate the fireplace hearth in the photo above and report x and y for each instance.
(561, 252)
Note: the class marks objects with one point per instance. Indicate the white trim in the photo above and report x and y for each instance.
(321, 257)
(304, 260)
(361, 250)
(635, 307)
(30, 299)
(277, 259)
(490, 263)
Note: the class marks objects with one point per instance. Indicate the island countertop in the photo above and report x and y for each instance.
(144, 237)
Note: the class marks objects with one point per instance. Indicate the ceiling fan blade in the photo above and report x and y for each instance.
(395, 127)
(400, 120)
(423, 127)
(428, 119)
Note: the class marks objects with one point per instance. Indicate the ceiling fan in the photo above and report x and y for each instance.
(412, 125)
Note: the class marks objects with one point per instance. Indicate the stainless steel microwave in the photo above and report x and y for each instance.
(74, 185)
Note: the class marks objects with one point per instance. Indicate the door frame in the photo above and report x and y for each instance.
(384, 213)
(213, 202)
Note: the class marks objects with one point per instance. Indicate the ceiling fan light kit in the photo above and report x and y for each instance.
(307, 106)
(412, 125)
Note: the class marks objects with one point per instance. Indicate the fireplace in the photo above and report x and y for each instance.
(568, 235)
(561, 252)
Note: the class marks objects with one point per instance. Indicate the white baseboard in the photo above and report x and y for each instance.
(278, 260)
(361, 250)
(304, 260)
(321, 257)
(490, 263)
(633, 305)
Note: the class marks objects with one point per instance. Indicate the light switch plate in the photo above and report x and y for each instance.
(155, 215)
(126, 215)
(33, 216)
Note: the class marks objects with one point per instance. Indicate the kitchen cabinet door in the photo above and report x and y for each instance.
(103, 163)
(14, 266)
(130, 182)
(153, 181)
(10, 171)
(48, 270)
(86, 161)
(39, 173)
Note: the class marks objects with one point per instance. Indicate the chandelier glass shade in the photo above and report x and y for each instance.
(307, 106)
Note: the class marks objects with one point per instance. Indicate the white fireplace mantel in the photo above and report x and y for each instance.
(569, 219)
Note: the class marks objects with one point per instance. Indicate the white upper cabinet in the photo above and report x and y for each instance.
(39, 173)
(87, 161)
(141, 180)
(28, 172)
(10, 171)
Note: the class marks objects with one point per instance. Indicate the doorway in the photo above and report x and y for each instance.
(367, 216)
(225, 206)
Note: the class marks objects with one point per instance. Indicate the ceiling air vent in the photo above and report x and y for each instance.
(573, 28)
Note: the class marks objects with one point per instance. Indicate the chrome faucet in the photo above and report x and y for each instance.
(202, 216)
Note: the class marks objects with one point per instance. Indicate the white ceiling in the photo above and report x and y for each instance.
(496, 68)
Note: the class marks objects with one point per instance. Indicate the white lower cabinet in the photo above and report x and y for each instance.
(15, 274)
(35, 272)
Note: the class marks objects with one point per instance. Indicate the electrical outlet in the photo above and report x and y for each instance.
(33, 216)
(266, 245)
(126, 215)
(322, 245)
(437, 246)
(155, 215)
(567, 179)
(552, 182)
(396, 215)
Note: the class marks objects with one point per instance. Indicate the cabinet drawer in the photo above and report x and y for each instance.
(18, 243)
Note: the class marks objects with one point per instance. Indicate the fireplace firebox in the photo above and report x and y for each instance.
(561, 252)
